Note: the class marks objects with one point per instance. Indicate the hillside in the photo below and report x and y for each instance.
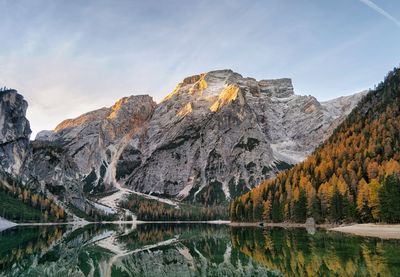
(353, 176)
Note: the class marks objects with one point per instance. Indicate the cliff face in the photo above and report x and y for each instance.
(354, 167)
(81, 155)
(14, 132)
(219, 134)
(214, 137)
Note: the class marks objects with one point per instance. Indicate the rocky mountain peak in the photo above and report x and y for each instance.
(212, 85)
(219, 133)
(82, 119)
(13, 106)
(123, 109)
(203, 86)
(280, 88)
(15, 131)
(215, 136)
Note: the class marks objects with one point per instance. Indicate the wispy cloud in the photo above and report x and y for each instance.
(381, 11)
(66, 58)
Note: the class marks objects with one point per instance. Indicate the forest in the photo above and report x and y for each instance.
(153, 210)
(20, 204)
(354, 176)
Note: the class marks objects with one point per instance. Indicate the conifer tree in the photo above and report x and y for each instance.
(389, 196)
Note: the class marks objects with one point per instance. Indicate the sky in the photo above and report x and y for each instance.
(70, 57)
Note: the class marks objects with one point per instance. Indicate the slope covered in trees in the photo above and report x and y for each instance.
(353, 176)
(153, 210)
(20, 204)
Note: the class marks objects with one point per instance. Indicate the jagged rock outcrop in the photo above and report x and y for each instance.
(215, 136)
(218, 134)
(14, 132)
(80, 155)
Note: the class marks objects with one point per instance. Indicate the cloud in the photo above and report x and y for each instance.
(68, 58)
(381, 11)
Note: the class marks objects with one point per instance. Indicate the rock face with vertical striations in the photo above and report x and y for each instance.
(218, 134)
(82, 154)
(214, 137)
(14, 132)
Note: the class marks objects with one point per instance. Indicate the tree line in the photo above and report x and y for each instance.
(43, 207)
(353, 176)
(152, 210)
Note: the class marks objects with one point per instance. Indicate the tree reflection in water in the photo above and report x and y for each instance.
(191, 250)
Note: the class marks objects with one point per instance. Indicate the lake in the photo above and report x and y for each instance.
(191, 250)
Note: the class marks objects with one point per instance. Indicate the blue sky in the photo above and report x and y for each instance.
(70, 57)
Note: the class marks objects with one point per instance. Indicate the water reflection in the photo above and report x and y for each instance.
(296, 253)
(19, 245)
(191, 250)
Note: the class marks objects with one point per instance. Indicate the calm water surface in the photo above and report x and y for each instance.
(191, 250)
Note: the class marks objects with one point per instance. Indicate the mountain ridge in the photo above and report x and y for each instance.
(208, 106)
(353, 176)
(215, 136)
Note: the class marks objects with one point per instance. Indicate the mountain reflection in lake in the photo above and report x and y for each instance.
(191, 250)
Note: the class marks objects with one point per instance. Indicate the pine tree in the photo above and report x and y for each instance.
(389, 196)
(342, 178)
(373, 198)
(337, 206)
(266, 215)
(300, 207)
(315, 209)
(277, 214)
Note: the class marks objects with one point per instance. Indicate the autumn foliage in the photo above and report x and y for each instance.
(153, 210)
(353, 176)
(43, 207)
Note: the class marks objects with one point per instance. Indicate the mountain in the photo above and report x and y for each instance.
(14, 132)
(21, 196)
(214, 137)
(87, 154)
(353, 176)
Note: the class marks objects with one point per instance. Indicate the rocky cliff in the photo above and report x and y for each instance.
(82, 155)
(215, 136)
(14, 132)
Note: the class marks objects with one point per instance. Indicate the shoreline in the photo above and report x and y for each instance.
(281, 225)
(8, 224)
(382, 231)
